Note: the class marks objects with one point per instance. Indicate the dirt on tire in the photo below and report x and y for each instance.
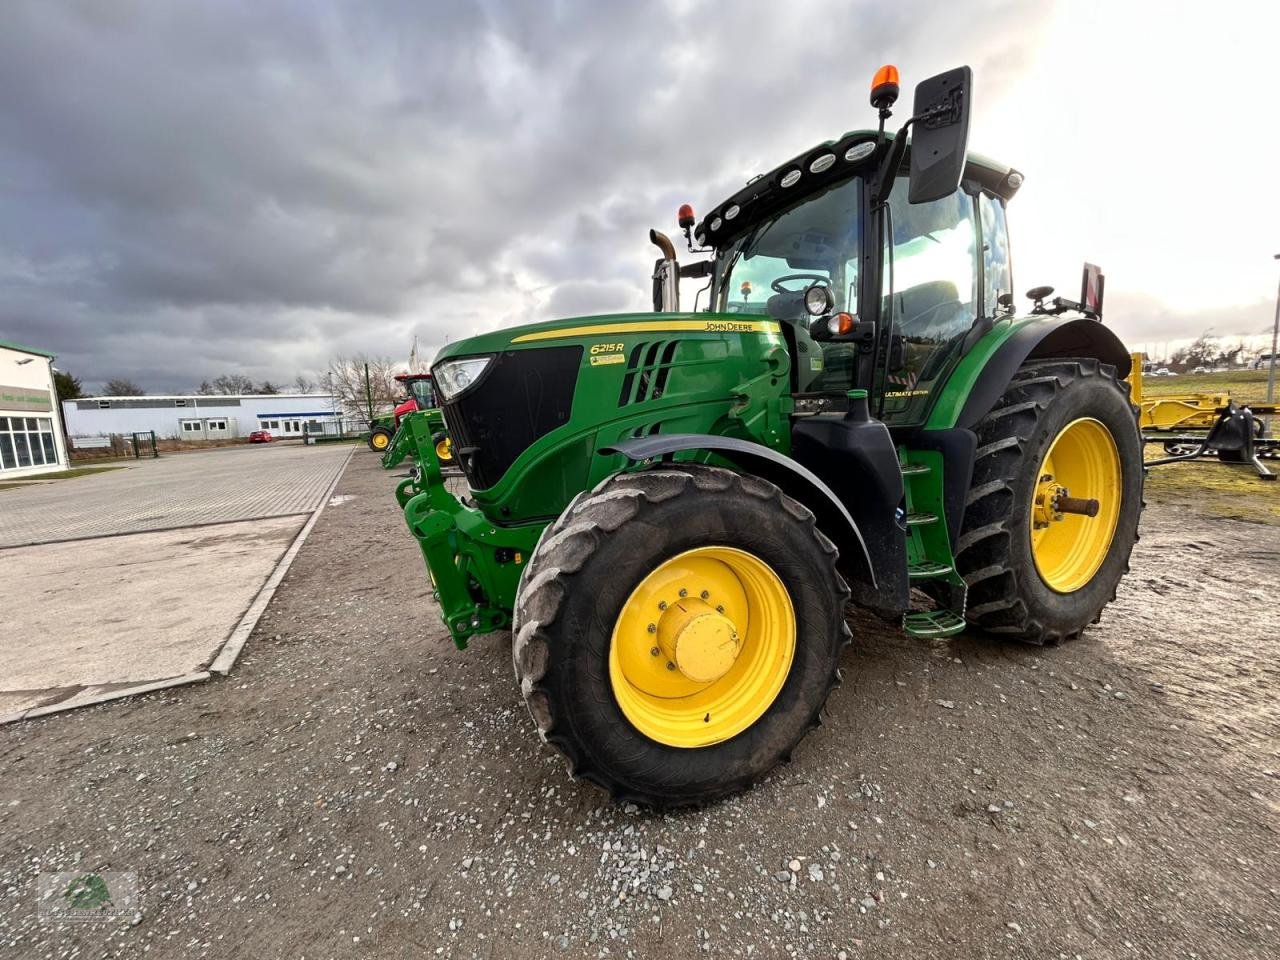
(360, 788)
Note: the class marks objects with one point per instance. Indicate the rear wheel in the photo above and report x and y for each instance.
(1052, 515)
(677, 632)
(379, 439)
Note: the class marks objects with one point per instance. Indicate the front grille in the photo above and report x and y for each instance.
(522, 396)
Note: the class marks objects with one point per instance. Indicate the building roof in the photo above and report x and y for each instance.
(35, 351)
(213, 397)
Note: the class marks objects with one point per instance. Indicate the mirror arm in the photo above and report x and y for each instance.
(893, 160)
(892, 163)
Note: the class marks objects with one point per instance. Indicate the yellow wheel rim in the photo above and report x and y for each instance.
(381, 441)
(702, 647)
(444, 449)
(1082, 465)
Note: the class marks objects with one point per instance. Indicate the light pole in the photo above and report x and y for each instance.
(1275, 329)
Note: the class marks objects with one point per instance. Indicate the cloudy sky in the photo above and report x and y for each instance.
(188, 189)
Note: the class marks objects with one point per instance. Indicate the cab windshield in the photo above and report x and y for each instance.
(767, 270)
(424, 392)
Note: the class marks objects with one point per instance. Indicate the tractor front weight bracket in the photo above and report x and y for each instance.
(474, 565)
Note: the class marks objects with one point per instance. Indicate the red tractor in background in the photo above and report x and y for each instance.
(421, 395)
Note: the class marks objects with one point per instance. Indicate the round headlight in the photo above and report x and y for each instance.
(700, 238)
(817, 300)
(790, 178)
(454, 376)
(1015, 180)
(823, 162)
(860, 151)
(717, 223)
(732, 212)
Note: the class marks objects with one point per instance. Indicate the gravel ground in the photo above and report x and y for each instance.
(358, 788)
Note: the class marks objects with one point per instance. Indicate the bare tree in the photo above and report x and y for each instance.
(302, 385)
(266, 386)
(346, 378)
(232, 383)
(122, 387)
(205, 389)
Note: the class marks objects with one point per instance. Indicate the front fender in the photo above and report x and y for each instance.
(793, 478)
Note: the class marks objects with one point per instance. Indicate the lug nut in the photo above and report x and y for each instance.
(706, 594)
(662, 604)
(653, 651)
(684, 592)
(720, 608)
(653, 628)
(670, 665)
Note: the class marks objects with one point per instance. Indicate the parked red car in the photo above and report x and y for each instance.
(260, 436)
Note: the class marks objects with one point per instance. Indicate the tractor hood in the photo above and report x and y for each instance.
(590, 329)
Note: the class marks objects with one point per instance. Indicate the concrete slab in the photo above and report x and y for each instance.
(91, 616)
(178, 490)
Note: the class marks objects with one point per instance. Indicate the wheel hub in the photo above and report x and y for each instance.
(1075, 506)
(702, 646)
(1046, 509)
(701, 642)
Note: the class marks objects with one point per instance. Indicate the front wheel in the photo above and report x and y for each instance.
(379, 439)
(677, 632)
(444, 449)
(1052, 513)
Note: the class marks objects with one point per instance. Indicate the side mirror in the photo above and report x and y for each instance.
(941, 121)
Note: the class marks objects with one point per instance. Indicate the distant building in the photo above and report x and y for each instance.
(194, 417)
(31, 440)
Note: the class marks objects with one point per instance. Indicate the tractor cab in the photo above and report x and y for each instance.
(880, 268)
(421, 391)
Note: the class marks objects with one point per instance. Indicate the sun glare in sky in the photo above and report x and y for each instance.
(1149, 138)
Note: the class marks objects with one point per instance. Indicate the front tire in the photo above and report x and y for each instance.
(688, 724)
(379, 439)
(444, 449)
(1035, 574)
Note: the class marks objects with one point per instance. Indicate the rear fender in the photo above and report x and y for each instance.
(984, 373)
(794, 479)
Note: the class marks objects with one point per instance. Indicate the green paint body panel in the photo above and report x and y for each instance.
(725, 375)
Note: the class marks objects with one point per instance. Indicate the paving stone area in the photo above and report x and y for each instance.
(214, 486)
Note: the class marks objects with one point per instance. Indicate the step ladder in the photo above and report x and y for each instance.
(928, 546)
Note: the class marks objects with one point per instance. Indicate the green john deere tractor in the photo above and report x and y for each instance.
(386, 435)
(671, 510)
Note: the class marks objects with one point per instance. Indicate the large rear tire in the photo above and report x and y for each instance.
(1036, 573)
(746, 655)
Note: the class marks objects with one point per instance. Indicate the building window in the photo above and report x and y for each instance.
(179, 403)
(104, 404)
(27, 442)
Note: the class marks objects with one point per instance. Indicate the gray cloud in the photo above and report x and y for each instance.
(186, 190)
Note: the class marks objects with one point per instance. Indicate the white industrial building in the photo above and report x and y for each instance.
(195, 417)
(31, 438)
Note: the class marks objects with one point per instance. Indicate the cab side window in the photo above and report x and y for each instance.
(933, 267)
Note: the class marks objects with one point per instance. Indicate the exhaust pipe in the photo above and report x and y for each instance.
(666, 275)
(663, 243)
